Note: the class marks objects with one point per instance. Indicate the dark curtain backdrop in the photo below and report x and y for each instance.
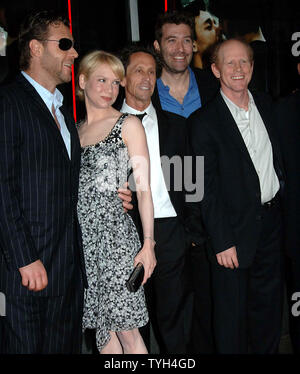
(105, 25)
(278, 19)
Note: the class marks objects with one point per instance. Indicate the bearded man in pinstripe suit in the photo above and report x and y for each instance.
(41, 262)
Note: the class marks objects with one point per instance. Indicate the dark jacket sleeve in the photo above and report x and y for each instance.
(193, 195)
(211, 208)
(16, 241)
(287, 120)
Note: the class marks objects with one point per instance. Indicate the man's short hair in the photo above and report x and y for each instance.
(176, 18)
(217, 47)
(129, 50)
(36, 26)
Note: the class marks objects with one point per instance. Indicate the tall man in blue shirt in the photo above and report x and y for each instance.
(180, 91)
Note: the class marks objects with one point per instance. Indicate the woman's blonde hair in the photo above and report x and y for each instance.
(91, 61)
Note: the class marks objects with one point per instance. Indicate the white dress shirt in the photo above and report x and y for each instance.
(56, 100)
(161, 200)
(256, 138)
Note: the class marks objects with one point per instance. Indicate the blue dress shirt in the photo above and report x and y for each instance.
(191, 101)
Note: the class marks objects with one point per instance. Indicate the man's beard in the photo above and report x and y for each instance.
(174, 71)
(169, 68)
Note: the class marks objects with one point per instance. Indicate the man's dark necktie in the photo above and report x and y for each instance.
(141, 116)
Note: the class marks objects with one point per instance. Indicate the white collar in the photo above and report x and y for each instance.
(150, 110)
(48, 97)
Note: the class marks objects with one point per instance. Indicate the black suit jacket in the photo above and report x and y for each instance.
(287, 116)
(232, 199)
(173, 140)
(38, 192)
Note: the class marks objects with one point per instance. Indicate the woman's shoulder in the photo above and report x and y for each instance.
(132, 127)
(131, 120)
(128, 121)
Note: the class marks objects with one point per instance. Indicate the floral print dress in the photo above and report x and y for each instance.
(110, 239)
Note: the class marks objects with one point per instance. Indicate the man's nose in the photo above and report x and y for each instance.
(180, 46)
(238, 66)
(74, 52)
(145, 76)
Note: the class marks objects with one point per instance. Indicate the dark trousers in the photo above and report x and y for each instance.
(198, 267)
(248, 302)
(169, 304)
(44, 325)
(293, 287)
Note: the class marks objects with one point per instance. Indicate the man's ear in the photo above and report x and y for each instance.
(156, 45)
(252, 67)
(36, 47)
(215, 70)
(195, 48)
(123, 82)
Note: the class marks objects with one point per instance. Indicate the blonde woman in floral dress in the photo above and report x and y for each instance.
(109, 139)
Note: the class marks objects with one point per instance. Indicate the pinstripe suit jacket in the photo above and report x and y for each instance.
(38, 193)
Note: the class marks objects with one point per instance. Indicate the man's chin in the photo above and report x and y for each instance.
(65, 78)
(144, 98)
(175, 70)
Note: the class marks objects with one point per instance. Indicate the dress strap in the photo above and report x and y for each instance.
(118, 126)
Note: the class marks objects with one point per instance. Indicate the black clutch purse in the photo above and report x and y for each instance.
(136, 277)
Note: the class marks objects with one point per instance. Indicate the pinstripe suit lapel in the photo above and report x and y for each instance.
(75, 144)
(38, 104)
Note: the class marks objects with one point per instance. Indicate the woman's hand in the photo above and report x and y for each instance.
(147, 257)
